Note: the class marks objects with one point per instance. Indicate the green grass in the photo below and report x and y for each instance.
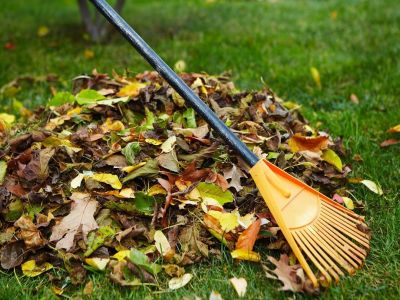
(275, 42)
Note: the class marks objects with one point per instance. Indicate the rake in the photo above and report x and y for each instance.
(316, 227)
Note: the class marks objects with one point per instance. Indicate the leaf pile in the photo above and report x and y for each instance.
(122, 177)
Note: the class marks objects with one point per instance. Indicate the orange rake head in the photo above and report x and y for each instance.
(314, 225)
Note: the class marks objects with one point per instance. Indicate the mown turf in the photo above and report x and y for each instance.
(275, 42)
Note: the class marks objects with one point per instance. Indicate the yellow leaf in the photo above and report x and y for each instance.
(88, 54)
(127, 193)
(57, 290)
(110, 179)
(74, 111)
(109, 125)
(153, 142)
(316, 77)
(156, 189)
(30, 269)
(7, 118)
(132, 89)
(42, 31)
(228, 221)
(244, 254)
(53, 141)
(97, 263)
(180, 66)
(394, 129)
(348, 203)
(121, 255)
(372, 186)
(331, 157)
(130, 169)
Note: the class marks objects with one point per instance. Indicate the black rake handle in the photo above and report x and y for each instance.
(175, 81)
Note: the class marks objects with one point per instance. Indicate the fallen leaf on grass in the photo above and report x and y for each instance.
(30, 269)
(178, 282)
(80, 218)
(394, 129)
(389, 142)
(88, 54)
(354, 99)
(88, 289)
(316, 77)
(292, 277)
(9, 46)
(240, 285)
(372, 186)
(42, 31)
(180, 66)
(215, 296)
(244, 254)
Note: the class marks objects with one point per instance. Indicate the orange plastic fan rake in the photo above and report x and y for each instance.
(313, 225)
(326, 232)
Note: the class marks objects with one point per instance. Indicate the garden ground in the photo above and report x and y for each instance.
(354, 45)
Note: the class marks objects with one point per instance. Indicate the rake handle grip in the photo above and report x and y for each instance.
(175, 81)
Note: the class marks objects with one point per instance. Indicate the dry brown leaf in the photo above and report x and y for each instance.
(354, 99)
(292, 277)
(79, 219)
(29, 233)
(234, 174)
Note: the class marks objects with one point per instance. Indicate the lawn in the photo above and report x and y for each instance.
(353, 43)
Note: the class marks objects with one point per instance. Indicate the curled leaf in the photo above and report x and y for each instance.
(372, 186)
(244, 254)
(304, 143)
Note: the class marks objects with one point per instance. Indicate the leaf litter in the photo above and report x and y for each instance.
(121, 177)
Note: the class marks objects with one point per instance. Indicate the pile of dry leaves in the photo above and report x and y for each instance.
(121, 176)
